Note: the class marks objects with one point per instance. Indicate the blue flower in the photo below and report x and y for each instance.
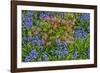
(58, 42)
(34, 41)
(53, 52)
(29, 13)
(35, 16)
(24, 38)
(39, 43)
(27, 59)
(28, 21)
(65, 44)
(85, 16)
(75, 55)
(65, 51)
(60, 47)
(41, 48)
(42, 41)
(30, 38)
(80, 34)
(45, 56)
(43, 15)
(84, 34)
(36, 36)
(33, 54)
(61, 53)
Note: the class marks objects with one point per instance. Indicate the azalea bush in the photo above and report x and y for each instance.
(55, 36)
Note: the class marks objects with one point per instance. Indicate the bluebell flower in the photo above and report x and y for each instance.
(45, 56)
(58, 42)
(80, 34)
(35, 16)
(30, 38)
(61, 53)
(53, 52)
(60, 47)
(29, 13)
(27, 59)
(28, 21)
(65, 51)
(43, 15)
(42, 41)
(85, 16)
(84, 34)
(39, 43)
(24, 38)
(37, 37)
(33, 54)
(34, 41)
(65, 44)
(75, 55)
(41, 48)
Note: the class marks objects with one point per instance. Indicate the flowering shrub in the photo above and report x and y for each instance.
(53, 36)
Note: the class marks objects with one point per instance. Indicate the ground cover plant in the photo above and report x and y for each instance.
(55, 36)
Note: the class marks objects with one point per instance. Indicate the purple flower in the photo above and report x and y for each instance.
(61, 53)
(80, 34)
(24, 38)
(30, 38)
(75, 55)
(29, 13)
(39, 43)
(27, 59)
(35, 16)
(58, 41)
(28, 21)
(42, 41)
(43, 15)
(65, 43)
(53, 52)
(34, 41)
(65, 51)
(33, 54)
(45, 56)
(85, 16)
(41, 47)
(84, 34)
(37, 36)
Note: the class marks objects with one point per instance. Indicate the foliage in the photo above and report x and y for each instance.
(52, 36)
